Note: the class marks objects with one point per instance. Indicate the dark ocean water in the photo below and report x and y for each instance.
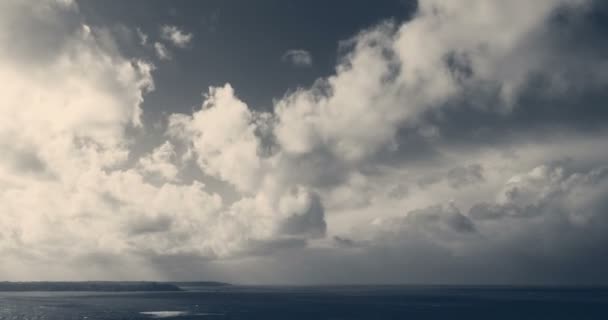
(346, 302)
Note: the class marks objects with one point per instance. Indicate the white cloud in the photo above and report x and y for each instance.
(176, 36)
(161, 162)
(161, 51)
(341, 158)
(223, 135)
(143, 38)
(298, 57)
(325, 137)
(67, 191)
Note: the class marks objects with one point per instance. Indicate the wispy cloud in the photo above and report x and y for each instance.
(176, 36)
(161, 51)
(298, 57)
(143, 38)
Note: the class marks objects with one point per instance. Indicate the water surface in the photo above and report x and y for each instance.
(337, 302)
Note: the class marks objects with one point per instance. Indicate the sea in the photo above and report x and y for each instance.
(314, 302)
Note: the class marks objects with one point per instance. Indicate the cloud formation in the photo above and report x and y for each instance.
(440, 150)
(298, 57)
(176, 36)
(161, 51)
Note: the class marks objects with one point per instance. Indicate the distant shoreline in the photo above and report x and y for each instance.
(103, 286)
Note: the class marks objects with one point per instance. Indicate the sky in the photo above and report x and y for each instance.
(305, 142)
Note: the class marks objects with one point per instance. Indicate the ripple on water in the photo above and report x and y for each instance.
(164, 314)
(172, 314)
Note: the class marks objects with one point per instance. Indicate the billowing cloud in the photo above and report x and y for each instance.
(442, 149)
(161, 162)
(394, 91)
(67, 187)
(298, 57)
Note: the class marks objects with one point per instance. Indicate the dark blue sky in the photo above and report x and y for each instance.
(241, 43)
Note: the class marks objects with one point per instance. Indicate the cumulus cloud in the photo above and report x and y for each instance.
(445, 243)
(437, 223)
(428, 150)
(298, 57)
(68, 189)
(549, 190)
(176, 36)
(161, 161)
(223, 134)
(400, 85)
(65, 109)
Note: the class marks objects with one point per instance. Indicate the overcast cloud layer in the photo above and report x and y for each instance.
(465, 145)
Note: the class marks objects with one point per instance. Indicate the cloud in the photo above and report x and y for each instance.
(298, 57)
(143, 38)
(436, 223)
(306, 213)
(161, 162)
(399, 191)
(465, 175)
(65, 109)
(161, 51)
(549, 190)
(348, 138)
(444, 244)
(176, 36)
(68, 188)
(444, 146)
(145, 225)
(457, 177)
(223, 135)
